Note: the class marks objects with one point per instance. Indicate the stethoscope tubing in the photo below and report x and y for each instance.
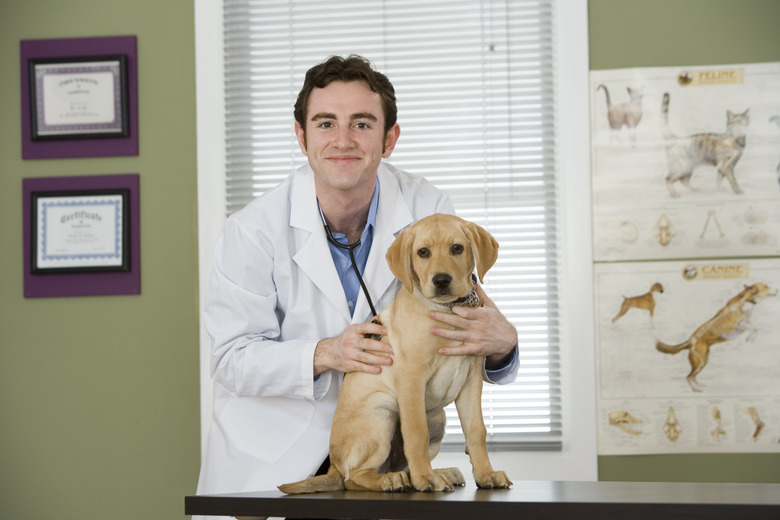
(351, 248)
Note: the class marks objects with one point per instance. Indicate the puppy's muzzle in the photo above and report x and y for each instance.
(442, 282)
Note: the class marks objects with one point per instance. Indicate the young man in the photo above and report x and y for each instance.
(285, 310)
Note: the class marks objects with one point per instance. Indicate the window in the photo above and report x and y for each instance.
(478, 104)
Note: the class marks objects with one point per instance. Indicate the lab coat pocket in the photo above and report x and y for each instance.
(267, 427)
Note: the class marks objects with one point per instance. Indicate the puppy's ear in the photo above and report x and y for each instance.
(484, 247)
(399, 258)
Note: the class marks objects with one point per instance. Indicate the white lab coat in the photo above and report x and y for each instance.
(274, 293)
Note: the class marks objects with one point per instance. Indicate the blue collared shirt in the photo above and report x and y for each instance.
(341, 258)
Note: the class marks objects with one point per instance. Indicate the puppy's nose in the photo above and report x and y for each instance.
(442, 280)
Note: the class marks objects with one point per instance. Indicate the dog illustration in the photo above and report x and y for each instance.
(731, 321)
(388, 427)
(644, 301)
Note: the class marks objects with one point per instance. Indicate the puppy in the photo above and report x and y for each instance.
(729, 322)
(644, 301)
(388, 427)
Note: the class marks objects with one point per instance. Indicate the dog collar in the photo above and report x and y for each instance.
(472, 300)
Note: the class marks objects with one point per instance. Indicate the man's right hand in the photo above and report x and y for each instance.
(351, 351)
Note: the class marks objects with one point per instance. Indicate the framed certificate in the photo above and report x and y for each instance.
(81, 235)
(80, 231)
(78, 97)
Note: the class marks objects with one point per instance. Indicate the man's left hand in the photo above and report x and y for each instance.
(483, 331)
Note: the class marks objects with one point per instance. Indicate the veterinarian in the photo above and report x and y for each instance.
(284, 309)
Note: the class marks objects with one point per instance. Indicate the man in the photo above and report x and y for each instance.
(284, 309)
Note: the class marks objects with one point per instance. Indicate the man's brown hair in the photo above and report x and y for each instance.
(351, 68)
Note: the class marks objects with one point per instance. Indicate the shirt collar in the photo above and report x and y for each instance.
(370, 219)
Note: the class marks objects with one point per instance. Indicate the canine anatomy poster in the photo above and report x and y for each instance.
(686, 162)
(688, 356)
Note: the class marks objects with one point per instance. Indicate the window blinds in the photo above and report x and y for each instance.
(475, 89)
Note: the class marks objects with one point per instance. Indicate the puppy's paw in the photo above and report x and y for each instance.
(493, 480)
(395, 482)
(452, 475)
(433, 481)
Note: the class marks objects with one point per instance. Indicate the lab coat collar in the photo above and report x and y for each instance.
(305, 216)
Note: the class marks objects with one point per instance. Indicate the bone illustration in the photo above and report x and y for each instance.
(672, 428)
(718, 431)
(753, 413)
(622, 419)
(664, 230)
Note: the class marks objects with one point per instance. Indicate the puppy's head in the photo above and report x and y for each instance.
(438, 255)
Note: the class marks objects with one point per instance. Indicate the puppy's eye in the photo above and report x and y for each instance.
(456, 249)
(423, 252)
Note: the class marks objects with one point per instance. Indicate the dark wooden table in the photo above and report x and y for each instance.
(525, 500)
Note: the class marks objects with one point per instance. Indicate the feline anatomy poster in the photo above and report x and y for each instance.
(686, 162)
(686, 238)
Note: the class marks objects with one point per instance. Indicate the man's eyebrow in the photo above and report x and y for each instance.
(323, 115)
(364, 115)
(359, 115)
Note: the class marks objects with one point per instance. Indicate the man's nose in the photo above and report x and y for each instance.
(343, 138)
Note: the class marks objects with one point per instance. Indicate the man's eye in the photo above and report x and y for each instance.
(423, 252)
(362, 126)
(326, 124)
(456, 249)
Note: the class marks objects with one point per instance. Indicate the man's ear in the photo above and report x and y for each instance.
(391, 138)
(300, 133)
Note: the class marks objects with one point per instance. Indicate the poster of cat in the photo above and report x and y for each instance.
(686, 356)
(686, 162)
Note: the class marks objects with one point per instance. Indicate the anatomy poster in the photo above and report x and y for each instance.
(688, 356)
(686, 162)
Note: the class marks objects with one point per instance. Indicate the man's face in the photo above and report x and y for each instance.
(344, 138)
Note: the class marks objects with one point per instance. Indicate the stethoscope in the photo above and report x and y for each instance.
(351, 248)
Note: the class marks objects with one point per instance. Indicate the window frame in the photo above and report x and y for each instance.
(577, 459)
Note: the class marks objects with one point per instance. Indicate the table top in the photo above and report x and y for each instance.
(526, 499)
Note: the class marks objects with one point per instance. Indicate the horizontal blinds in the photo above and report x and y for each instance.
(475, 93)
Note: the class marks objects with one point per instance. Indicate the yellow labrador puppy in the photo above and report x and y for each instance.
(388, 424)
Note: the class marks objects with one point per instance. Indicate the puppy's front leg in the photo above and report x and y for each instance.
(469, 405)
(410, 391)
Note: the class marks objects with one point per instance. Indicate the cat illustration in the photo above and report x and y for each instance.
(685, 154)
(624, 114)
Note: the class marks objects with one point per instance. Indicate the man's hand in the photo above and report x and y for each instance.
(483, 331)
(351, 351)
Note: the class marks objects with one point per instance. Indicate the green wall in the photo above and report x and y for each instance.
(99, 411)
(99, 395)
(658, 33)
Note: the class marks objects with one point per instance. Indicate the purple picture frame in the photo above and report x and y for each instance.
(51, 285)
(73, 48)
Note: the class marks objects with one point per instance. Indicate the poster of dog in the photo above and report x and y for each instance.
(687, 356)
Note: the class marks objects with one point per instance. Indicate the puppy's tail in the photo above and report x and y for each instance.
(331, 481)
(672, 349)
